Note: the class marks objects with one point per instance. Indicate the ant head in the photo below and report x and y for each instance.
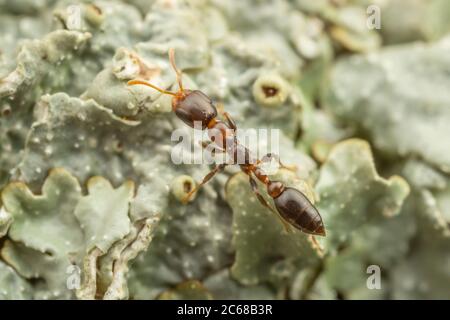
(189, 106)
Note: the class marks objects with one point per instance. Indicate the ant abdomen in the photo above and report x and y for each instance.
(194, 106)
(295, 208)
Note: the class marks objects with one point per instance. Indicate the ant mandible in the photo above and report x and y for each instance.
(193, 106)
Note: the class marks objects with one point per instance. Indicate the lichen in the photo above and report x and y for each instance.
(13, 286)
(189, 290)
(270, 90)
(69, 227)
(181, 187)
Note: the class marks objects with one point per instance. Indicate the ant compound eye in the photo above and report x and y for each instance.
(181, 186)
(270, 90)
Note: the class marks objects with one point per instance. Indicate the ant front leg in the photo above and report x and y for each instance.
(266, 204)
(316, 245)
(208, 177)
(211, 147)
(231, 123)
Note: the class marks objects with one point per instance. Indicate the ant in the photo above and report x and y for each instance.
(193, 106)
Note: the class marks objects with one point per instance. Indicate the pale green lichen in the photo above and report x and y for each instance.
(5, 221)
(222, 286)
(424, 20)
(374, 89)
(13, 286)
(270, 90)
(110, 280)
(352, 193)
(68, 228)
(38, 57)
(48, 216)
(425, 273)
(189, 290)
(182, 186)
(104, 203)
(118, 288)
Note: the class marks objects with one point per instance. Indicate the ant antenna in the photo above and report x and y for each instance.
(174, 66)
(177, 71)
(148, 84)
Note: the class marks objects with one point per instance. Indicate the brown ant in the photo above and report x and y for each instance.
(192, 106)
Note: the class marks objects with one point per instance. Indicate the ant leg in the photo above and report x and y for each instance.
(316, 245)
(215, 148)
(220, 107)
(205, 144)
(208, 177)
(211, 148)
(174, 66)
(266, 204)
(230, 121)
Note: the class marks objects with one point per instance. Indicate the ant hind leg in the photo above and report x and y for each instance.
(208, 177)
(230, 121)
(316, 245)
